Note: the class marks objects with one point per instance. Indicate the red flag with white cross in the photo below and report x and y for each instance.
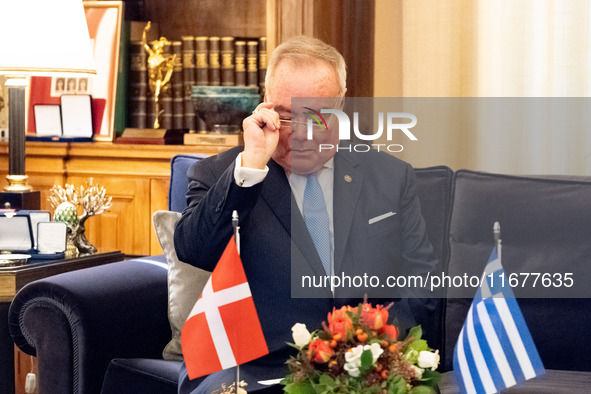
(223, 328)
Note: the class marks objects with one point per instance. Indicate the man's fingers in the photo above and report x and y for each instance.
(264, 117)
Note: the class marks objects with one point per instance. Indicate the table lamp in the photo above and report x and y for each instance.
(40, 38)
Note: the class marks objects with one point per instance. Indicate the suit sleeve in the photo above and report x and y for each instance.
(205, 228)
(418, 304)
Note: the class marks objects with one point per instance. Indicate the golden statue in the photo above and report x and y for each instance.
(160, 66)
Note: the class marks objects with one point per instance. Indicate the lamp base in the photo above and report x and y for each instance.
(17, 183)
(21, 200)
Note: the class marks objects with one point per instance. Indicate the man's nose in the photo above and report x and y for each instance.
(299, 131)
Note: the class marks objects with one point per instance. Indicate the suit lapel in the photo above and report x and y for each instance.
(277, 194)
(348, 180)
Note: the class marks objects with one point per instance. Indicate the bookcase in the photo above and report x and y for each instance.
(348, 25)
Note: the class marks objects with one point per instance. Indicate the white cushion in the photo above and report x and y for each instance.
(185, 282)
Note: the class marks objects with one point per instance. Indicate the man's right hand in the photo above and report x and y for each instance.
(261, 135)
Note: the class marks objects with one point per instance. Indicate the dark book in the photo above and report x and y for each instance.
(201, 53)
(227, 56)
(240, 63)
(137, 85)
(151, 111)
(176, 80)
(214, 61)
(188, 81)
(262, 64)
(188, 49)
(178, 112)
(166, 110)
(252, 72)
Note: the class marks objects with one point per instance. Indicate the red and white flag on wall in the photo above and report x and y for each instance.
(223, 329)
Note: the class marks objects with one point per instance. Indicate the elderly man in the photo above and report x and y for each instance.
(364, 217)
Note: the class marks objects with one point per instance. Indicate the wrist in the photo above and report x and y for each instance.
(254, 159)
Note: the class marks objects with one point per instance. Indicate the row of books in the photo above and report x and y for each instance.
(213, 61)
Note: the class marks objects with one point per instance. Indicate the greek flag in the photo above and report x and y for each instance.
(495, 349)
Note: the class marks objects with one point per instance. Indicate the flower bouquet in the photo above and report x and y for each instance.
(356, 351)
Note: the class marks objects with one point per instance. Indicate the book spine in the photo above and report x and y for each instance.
(178, 113)
(227, 55)
(240, 62)
(177, 86)
(214, 61)
(138, 85)
(252, 76)
(262, 64)
(151, 115)
(165, 99)
(202, 60)
(188, 81)
(177, 73)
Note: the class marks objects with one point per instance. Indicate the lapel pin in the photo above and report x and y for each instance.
(348, 179)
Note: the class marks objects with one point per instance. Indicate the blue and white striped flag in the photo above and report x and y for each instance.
(495, 349)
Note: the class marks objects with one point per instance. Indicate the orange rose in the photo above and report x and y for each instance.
(339, 322)
(320, 351)
(391, 330)
(374, 318)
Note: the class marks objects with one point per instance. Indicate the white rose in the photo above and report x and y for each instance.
(418, 371)
(429, 359)
(353, 355)
(376, 351)
(353, 360)
(301, 335)
(352, 370)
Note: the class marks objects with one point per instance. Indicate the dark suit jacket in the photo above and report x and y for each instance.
(277, 250)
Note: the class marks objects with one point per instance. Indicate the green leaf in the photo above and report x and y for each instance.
(326, 381)
(430, 378)
(416, 332)
(299, 388)
(396, 385)
(422, 390)
(418, 345)
(366, 360)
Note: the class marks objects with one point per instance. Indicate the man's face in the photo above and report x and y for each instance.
(295, 153)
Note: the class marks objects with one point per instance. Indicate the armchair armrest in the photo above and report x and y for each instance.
(78, 321)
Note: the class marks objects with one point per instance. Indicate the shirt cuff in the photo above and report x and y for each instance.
(247, 177)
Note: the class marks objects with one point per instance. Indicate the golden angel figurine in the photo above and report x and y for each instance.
(160, 67)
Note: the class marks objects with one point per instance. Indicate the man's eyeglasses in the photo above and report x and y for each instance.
(288, 124)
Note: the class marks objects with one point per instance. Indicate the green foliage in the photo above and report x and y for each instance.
(416, 332)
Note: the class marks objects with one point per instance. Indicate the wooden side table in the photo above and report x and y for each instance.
(12, 279)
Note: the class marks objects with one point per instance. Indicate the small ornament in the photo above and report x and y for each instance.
(348, 179)
(66, 213)
(69, 201)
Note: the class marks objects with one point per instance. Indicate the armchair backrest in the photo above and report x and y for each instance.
(179, 182)
(545, 227)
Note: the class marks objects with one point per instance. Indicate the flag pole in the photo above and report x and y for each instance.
(236, 228)
(497, 235)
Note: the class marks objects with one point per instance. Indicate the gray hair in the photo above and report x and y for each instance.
(305, 50)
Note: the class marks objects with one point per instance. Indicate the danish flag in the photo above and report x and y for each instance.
(223, 328)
